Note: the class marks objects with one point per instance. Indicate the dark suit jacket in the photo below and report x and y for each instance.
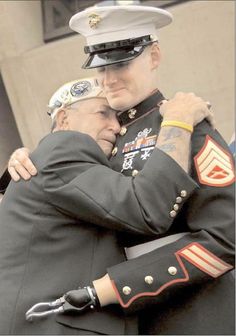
(45, 250)
(47, 242)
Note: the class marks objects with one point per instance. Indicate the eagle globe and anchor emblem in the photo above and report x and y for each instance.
(94, 20)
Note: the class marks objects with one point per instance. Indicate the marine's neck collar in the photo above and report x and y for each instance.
(146, 106)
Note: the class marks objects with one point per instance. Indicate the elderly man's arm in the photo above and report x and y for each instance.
(78, 180)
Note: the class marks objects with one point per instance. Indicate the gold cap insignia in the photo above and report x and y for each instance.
(94, 19)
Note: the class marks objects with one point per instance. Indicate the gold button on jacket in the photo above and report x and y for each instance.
(172, 270)
(123, 131)
(114, 151)
(134, 172)
(148, 279)
(173, 213)
(126, 290)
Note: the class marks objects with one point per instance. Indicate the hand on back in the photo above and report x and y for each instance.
(20, 165)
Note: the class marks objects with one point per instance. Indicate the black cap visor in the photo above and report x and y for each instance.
(99, 59)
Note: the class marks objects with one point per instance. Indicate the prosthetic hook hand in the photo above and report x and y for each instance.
(75, 301)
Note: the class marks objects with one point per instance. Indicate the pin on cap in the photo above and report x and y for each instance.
(116, 34)
(72, 92)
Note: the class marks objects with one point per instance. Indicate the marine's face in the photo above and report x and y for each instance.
(128, 83)
(95, 118)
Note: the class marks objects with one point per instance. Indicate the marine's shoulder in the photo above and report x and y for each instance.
(204, 132)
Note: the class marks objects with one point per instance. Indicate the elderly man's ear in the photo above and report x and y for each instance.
(62, 121)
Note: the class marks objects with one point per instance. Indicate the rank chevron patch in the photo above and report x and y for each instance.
(214, 165)
(204, 260)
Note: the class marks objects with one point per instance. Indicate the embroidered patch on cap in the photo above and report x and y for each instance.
(214, 165)
(204, 260)
(81, 88)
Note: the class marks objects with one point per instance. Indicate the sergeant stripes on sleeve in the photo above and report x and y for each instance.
(204, 260)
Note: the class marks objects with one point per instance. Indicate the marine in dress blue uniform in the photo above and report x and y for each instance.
(184, 286)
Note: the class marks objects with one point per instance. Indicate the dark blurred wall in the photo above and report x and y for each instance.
(9, 135)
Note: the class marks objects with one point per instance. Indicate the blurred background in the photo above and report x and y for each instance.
(38, 53)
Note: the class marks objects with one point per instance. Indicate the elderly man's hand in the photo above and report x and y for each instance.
(20, 165)
(188, 108)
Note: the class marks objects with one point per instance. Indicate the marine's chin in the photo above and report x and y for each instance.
(118, 101)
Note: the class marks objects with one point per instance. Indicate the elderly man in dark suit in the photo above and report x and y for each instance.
(48, 241)
(45, 246)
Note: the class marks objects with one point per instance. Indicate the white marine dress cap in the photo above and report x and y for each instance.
(116, 34)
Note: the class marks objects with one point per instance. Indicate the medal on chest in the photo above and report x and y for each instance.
(139, 149)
